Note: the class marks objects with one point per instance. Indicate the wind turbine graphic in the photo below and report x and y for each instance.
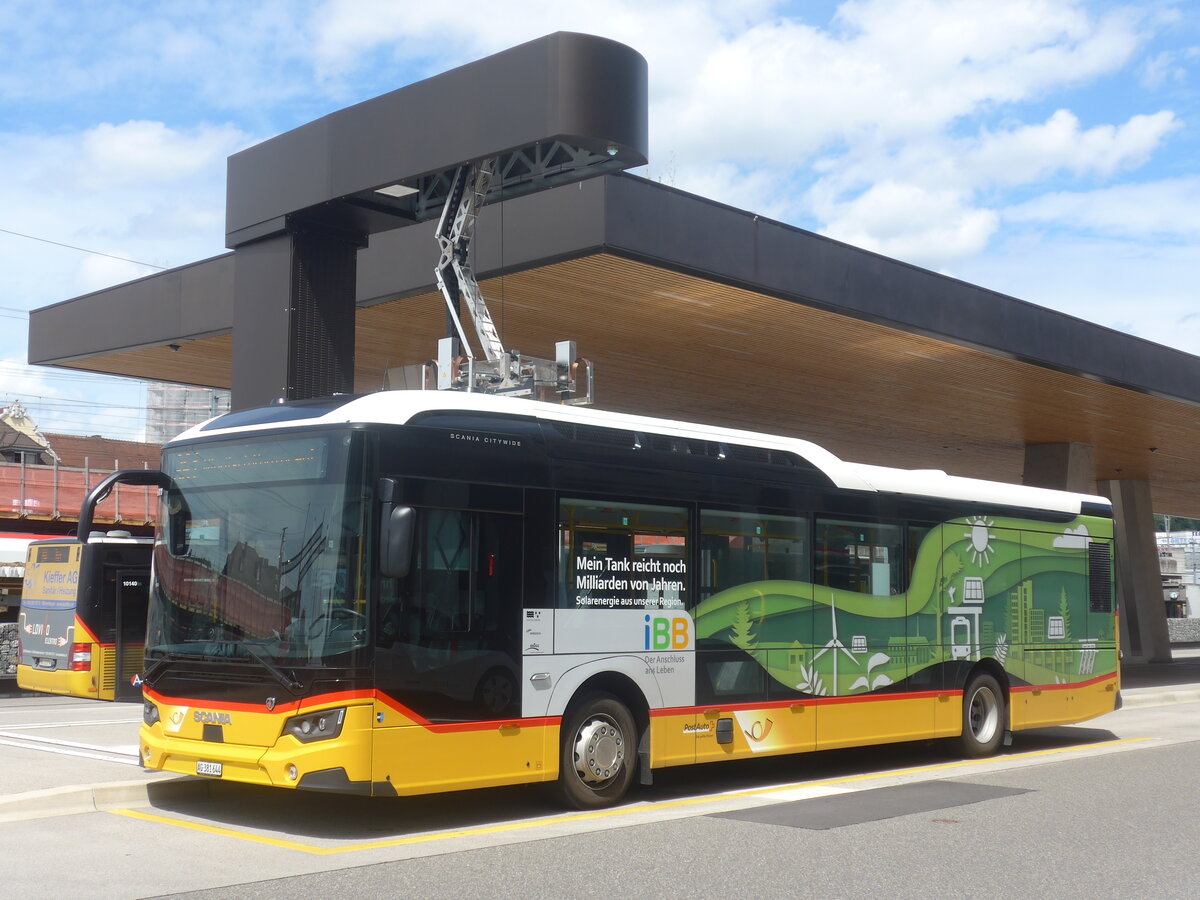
(834, 644)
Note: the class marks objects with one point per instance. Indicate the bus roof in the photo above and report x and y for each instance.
(400, 407)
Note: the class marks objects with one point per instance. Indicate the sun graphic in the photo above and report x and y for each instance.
(981, 540)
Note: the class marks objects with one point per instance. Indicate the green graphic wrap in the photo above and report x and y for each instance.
(980, 588)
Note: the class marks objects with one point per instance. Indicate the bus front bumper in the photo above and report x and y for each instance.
(57, 681)
(341, 764)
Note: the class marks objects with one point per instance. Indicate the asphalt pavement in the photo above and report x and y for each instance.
(64, 756)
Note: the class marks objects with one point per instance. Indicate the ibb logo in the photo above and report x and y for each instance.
(667, 634)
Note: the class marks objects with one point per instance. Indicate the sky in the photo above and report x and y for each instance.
(1045, 149)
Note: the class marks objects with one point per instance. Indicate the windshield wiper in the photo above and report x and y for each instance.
(277, 673)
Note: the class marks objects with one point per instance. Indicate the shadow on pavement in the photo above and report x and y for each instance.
(345, 818)
(1184, 668)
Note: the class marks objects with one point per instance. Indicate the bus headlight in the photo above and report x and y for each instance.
(317, 726)
(149, 712)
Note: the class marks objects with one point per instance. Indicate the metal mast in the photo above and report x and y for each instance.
(500, 371)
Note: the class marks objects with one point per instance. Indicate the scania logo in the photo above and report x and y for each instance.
(211, 718)
(270, 704)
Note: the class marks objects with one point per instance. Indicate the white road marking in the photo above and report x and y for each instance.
(125, 754)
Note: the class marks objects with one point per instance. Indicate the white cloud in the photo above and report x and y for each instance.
(1160, 210)
(923, 201)
(673, 35)
(139, 153)
(229, 54)
(925, 226)
(140, 190)
(1072, 539)
(784, 90)
(1032, 152)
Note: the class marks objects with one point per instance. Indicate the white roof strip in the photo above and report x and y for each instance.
(399, 407)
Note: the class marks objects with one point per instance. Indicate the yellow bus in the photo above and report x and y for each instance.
(82, 623)
(412, 592)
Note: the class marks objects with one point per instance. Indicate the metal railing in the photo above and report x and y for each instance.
(55, 493)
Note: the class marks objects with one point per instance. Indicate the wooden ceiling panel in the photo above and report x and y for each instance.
(204, 361)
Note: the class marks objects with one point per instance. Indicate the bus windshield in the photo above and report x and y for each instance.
(261, 552)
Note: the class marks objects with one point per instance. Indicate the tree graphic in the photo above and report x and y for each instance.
(740, 632)
(951, 566)
(810, 681)
(1064, 610)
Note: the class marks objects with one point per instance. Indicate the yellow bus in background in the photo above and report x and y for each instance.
(82, 624)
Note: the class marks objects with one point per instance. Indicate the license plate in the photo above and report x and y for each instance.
(208, 768)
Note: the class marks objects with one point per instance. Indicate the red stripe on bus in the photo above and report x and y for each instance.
(91, 638)
(1100, 679)
(342, 696)
(291, 706)
(492, 724)
(799, 701)
(446, 727)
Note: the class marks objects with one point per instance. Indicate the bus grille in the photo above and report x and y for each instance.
(108, 671)
(1100, 577)
(131, 663)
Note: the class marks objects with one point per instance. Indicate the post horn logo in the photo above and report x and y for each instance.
(758, 731)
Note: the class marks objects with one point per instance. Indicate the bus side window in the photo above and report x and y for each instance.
(449, 631)
(466, 574)
(741, 547)
(442, 594)
(865, 557)
(916, 534)
(619, 555)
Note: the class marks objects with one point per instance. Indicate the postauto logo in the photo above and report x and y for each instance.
(667, 633)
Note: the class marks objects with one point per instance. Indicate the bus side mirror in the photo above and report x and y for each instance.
(396, 541)
(178, 515)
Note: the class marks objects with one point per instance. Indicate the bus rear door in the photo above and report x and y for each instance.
(132, 596)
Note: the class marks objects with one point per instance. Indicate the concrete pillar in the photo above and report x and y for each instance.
(1069, 467)
(1064, 467)
(1144, 636)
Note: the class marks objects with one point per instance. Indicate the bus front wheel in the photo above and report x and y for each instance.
(982, 717)
(599, 752)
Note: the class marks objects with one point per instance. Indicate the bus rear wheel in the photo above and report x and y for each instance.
(599, 752)
(982, 717)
